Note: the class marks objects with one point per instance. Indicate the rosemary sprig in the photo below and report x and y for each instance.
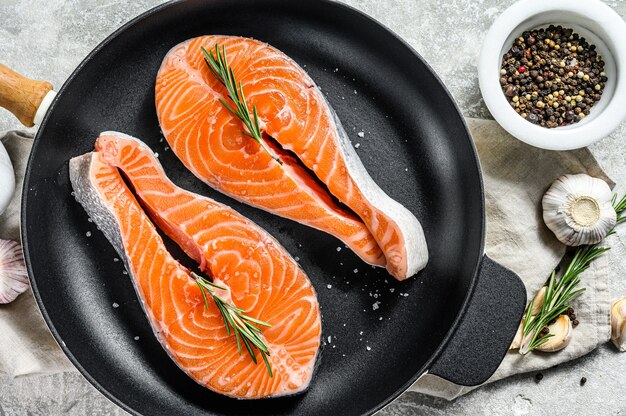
(244, 327)
(620, 207)
(218, 65)
(560, 293)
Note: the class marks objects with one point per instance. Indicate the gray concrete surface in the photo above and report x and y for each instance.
(47, 39)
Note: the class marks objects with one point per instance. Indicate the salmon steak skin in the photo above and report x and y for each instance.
(256, 272)
(321, 181)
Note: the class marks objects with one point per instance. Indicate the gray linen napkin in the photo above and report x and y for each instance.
(516, 176)
(26, 345)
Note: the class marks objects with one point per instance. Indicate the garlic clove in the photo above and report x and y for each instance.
(618, 323)
(578, 209)
(13, 275)
(520, 341)
(517, 341)
(561, 330)
(538, 300)
(519, 338)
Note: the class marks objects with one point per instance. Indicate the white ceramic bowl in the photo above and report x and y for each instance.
(7, 179)
(593, 20)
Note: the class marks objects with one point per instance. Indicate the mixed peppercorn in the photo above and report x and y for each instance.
(552, 76)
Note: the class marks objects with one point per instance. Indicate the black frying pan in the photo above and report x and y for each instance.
(461, 312)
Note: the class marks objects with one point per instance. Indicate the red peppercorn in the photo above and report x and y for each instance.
(522, 69)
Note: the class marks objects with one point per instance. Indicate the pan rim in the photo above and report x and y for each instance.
(334, 3)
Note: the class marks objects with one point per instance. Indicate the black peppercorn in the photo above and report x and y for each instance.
(538, 376)
(583, 381)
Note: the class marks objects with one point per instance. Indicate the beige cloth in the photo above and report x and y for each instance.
(515, 175)
(26, 345)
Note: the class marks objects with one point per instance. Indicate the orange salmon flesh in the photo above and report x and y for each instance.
(260, 276)
(305, 134)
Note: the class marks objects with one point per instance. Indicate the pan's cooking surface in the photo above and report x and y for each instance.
(415, 146)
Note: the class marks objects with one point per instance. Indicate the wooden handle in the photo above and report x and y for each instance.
(20, 95)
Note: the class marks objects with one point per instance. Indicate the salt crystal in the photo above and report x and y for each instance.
(329, 286)
(115, 259)
(124, 272)
(89, 220)
(406, 295)
(391, 290)
(375, 305)
(297, 258)
(406, 169)
(116, 305)
(368, 348)
(330, 339)
(356, 146)
(338, 248)
(361, 333)
(136, 338)
(88, 233)
(355, 92)
(380, 319)
(156, 154)
(355, 270)
(361, 134)
(336, 69)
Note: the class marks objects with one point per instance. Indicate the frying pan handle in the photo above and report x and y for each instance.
(22, 96)
(486, 330)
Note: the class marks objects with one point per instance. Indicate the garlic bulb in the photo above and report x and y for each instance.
(618, 323)
(7, 179)
(578, 209)
(561, 330)
(13, 276)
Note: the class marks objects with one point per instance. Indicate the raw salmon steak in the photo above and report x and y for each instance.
(259, 275)
(321, 181)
